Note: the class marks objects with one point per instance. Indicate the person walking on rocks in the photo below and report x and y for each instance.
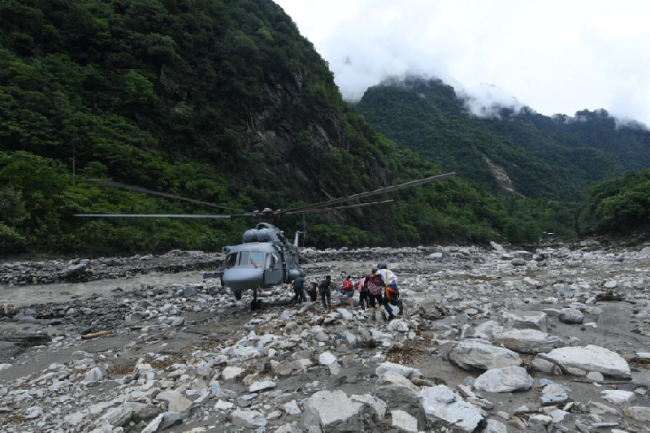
(391, 291)
(375, 289)
(299, 290)
(325, 292)
(364, 295)
(348, 290)
(312, 291)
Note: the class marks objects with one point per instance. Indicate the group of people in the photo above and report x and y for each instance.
(377, 289)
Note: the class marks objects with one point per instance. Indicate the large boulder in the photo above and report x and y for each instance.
(396, 390)
(506, 379)
(443, 407)
(581, 360)
(333, 412)
(481, 355)
(528, 340)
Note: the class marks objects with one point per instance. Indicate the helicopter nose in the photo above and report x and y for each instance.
(243, 279)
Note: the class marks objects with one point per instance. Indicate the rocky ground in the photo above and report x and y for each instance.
(494, 340)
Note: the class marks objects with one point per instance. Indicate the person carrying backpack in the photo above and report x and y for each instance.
(348, 290)
(375, 289)
(364, 295)
(391, 291)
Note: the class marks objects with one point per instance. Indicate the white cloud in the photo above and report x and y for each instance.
(555, 56)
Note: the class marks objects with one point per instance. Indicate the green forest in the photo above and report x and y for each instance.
(221, 101)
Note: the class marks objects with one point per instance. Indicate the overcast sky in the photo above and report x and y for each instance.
(554, 56)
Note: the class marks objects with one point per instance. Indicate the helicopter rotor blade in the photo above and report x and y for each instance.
(362, 195)
(160, 194)
(189, 216)
(338, 207)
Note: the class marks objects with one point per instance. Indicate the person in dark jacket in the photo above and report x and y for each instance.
(325, 290)
(312, 291)
(299, 290)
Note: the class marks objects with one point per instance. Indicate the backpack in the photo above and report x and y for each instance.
(375, 285)
(392, 293)
(347, 286)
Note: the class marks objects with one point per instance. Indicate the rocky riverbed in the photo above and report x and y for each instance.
(492, 339)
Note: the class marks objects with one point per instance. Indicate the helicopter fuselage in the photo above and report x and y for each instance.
(256, 264)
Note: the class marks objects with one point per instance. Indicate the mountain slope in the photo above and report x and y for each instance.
(526, 153)
(217, 100)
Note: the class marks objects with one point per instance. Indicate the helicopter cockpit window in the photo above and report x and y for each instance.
(257, 259)
(231, 260)
(272, 261)
(243, 259)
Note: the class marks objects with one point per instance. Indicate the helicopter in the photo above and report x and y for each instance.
(265, 257)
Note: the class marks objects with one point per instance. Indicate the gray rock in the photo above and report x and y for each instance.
(397, 390)
(524, 320)
(528, 340)
(345, 314)
(154, 425)
(189, 292)
(74, 270)
(326, 358)
(526, 255)
(333, 412)
(34, 412)
(248, 419)
(443, 407)
(122, 414)
(620, 397)
(479, 354)
(375, 407)
(638, 413)
(431, 309)
(581, 360)
(404, 422)
(494, 426)
(93, 376)
(407, 372)
(171, 419)
(507, 379)
(262, 386)
(595, 376)
(292, 408)
(571, 316)
(176, 401)
(518, 262)
(231, 373)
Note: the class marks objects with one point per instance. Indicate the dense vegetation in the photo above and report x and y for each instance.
(619, 205)
(543, 157)
(221, 101)
(218, 100)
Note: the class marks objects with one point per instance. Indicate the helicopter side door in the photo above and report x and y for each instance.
(273, 273)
